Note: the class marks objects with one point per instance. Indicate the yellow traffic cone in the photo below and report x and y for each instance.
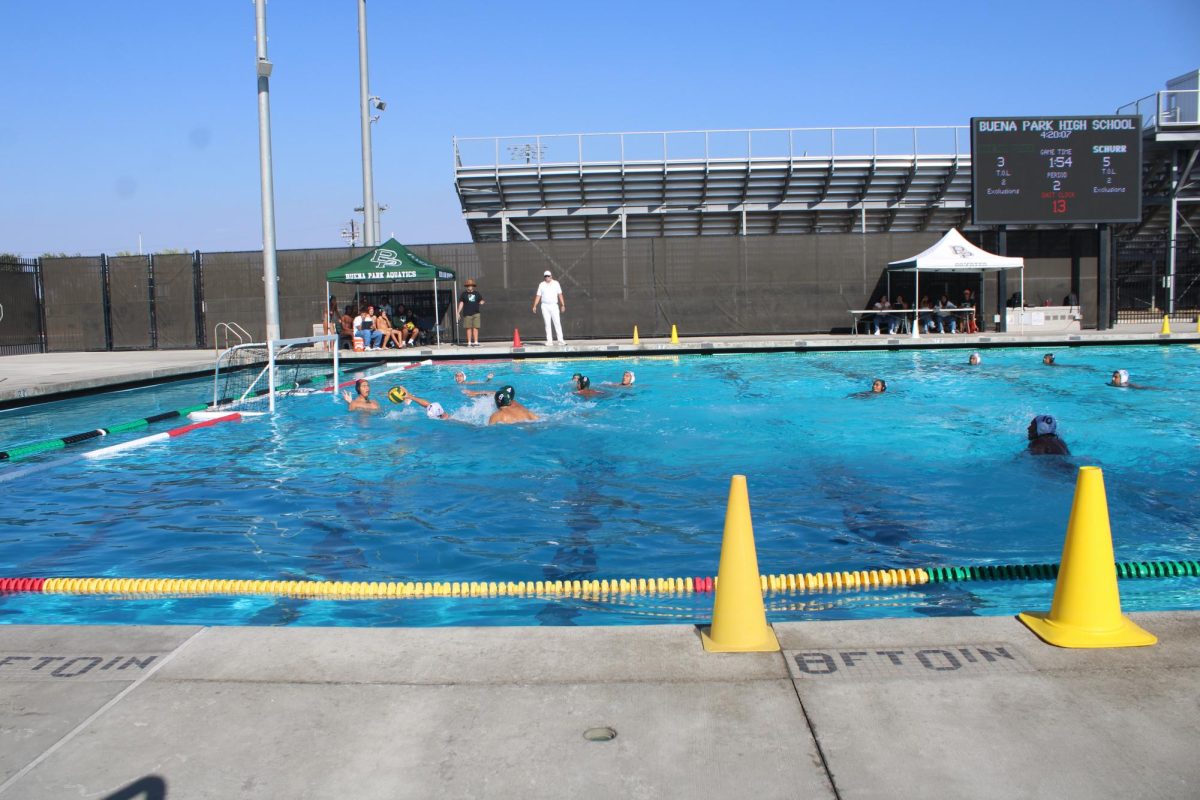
(739, 618)
(1086, 611)
(1166, 328)
(636, 340)
(674, 335)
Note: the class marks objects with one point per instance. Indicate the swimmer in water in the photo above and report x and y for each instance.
(878, 386)
(974, 360)
(1120, 380)
(432, 410)
(1048, 360)
(508, 410)
(626, 380)
(583, 387)
(1043, 437)
(460, 377)
(362, 400)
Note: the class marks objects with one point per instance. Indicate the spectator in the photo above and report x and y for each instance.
(925, 317)
(550, 296)
(469, 303)
(887, 319)
(346, 328)
(901, 319)
(364, 328)
(968, 320)
(944, 317)
(406, 323)
(390, 335)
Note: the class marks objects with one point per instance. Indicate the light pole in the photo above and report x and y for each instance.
(370, 228)
(263, 68)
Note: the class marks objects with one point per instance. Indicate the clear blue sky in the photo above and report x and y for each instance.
(131, 116)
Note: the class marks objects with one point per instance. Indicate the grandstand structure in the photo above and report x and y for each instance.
(726, 182)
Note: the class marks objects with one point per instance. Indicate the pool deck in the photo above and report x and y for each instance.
(33, 378)
(942, 707)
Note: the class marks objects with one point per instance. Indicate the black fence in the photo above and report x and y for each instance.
(704, 285)
(1143, 289)
(22, 326)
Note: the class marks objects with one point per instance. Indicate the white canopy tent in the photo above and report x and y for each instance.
(952, 253)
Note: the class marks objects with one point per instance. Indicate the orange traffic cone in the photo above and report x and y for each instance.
(517, 338)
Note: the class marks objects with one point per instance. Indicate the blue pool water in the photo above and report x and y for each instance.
(630, 484)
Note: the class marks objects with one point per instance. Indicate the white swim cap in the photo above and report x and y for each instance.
(1122, 377)
(435, 411)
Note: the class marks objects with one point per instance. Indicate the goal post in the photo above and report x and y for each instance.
(256, 372)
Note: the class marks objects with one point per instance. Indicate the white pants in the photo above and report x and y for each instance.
(550, 315)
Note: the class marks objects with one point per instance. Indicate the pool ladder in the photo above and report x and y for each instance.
(234, 335)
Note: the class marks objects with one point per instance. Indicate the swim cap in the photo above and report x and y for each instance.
(1044, 425)
(1122, 377)
(978, 359)
(358, 384)
(584, 382)
(502, 398)
(575, 376)
(510, 391)
(397, 394)
(1048, 356)
(434, 411)
(632, 377)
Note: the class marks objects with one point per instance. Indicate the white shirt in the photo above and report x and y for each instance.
(358, 323)
(549, 292)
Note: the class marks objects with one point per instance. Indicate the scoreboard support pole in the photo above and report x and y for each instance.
(1103, 283)
(1002, 281)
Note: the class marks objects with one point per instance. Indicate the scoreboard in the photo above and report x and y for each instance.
(1056, 169)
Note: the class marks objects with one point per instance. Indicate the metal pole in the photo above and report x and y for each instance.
(1103, 311)
(263, 68)
(370, 223)
(1002, 281)
(1174, 233)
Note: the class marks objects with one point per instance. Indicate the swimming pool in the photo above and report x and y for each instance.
(633, 483)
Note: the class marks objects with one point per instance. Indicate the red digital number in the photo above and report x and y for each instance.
(1060, 206)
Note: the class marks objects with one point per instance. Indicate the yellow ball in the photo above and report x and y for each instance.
(396, 394)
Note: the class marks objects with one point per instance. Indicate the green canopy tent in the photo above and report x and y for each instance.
(392, 262)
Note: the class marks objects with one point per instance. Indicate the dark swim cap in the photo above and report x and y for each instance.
(510, 391)
(584, 382)
(502, 399)
(358, 385)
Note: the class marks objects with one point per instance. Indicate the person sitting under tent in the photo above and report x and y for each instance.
(364, 328)
(944, 317)
(406, 323)
(346, 329)
(882, 304)
(390, 335)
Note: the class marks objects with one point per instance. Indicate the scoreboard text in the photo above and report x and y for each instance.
(1056, 169)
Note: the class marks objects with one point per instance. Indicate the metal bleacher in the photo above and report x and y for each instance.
(688, 183)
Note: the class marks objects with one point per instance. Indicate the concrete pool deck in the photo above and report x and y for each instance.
(944, 707)
(35, 377)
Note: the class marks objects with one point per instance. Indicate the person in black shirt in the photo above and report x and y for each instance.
(468, 311)
(1043, 437)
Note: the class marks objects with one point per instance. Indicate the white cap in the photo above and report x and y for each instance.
(546, 274)
(434, 411)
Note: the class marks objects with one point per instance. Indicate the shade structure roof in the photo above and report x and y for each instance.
(390, 262)
(953, 253)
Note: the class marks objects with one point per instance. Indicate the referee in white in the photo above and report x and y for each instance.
(550, 296)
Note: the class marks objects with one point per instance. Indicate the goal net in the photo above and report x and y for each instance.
(258, 373)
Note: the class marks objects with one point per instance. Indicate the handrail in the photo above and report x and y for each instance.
(716, 145)
(232, 330)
